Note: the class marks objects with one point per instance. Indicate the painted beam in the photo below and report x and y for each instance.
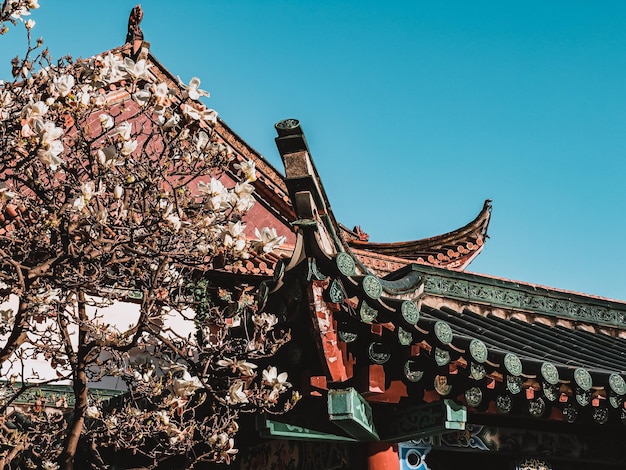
(352, 413)
(270, 428)
(421, 421)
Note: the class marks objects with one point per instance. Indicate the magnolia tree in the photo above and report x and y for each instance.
(110, 191)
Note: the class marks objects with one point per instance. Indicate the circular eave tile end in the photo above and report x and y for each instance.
(478, 350)
(372, 287)
(443, 332)
(513, 364)
(550, 373)
(345, 264)
(617, 384)
(410, 312)
(583, 379)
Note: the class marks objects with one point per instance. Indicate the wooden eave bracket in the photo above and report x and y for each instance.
(300, 176)
(326, 335)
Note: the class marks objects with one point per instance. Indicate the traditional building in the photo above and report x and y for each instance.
(406, 361)
(402, 353)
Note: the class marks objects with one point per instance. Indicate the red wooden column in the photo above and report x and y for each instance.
(383, 456)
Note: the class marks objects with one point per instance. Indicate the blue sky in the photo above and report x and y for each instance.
(416, 112)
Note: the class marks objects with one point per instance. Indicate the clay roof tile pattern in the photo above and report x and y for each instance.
(452, 250)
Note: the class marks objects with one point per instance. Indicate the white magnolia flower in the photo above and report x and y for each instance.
(163, 417)
(137, 70)
(92, 412)
(174, 434)
(47, 131)
(168, 123)
(88, 190)
(217, 193)
(202, 139)
(16, 11)
(245, 367)
(142, 97)
(234, 237)
(237, 243)
(186, 385)
(172, 217)
(236, 393)
(247, 168)
(174, 221)
(118, 192)
(191, 112)
(50, 147)
(6, 100)
(145, 375)
(30, 111)
(244, 188)
(267, 240)
(102, 216)
(278, 382)
(63, 84)
(128, 147)
(198, 112)
(161, 94)
(113, 68)
(30, 24)
(214, 188)
(124, 130)
(51, 159)
(47, 465)
(226, 445)
(207, 223)
(106, 120)
(265, 321)
(192, 91)
(108, 156)
(204, 248)
(84, 95)
(242, 203)
(218, 203)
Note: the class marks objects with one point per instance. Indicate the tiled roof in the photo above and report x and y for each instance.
(257, 265)
(393, 335)
(452, 250)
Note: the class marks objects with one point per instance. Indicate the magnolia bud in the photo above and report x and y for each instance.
(118, 192)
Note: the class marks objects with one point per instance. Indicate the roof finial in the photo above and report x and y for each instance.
(135, 35)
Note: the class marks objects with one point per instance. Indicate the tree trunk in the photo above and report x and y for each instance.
(6, 459)
(67, 457)
(76, 426)
(18, 334)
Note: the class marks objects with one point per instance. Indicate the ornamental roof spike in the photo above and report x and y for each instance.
(134, 36)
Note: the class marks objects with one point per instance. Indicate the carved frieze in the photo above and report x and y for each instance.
(541, 303)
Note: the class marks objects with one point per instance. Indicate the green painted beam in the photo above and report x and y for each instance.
(352, 413)
(414, 422)
(275, 429)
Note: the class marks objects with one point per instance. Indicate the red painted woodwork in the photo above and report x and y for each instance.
(383, 456)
